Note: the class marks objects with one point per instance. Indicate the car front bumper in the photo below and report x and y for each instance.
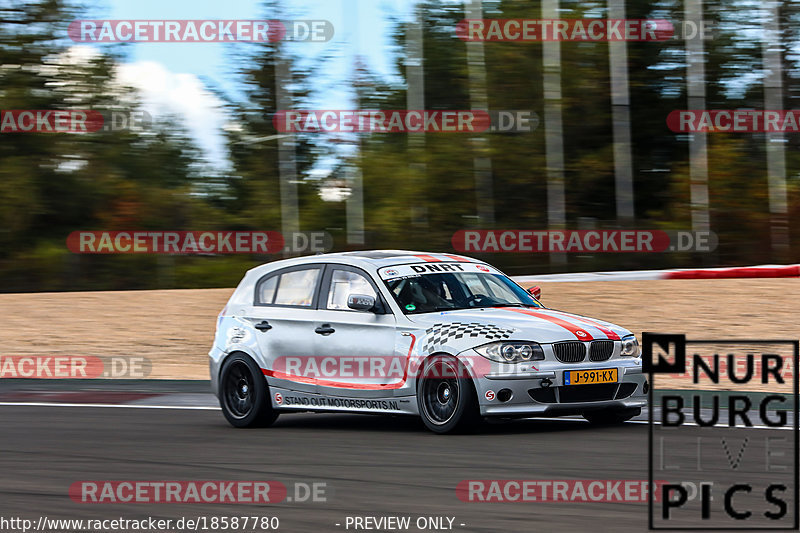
(542, 392)
(215, 357)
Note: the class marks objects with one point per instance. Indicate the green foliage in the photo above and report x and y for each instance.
(417, 191)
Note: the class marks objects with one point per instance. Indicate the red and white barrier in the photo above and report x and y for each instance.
(760, 271)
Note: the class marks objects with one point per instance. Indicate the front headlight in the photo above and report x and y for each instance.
(630, 347)
(511, 352)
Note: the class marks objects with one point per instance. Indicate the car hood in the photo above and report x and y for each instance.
(472, 327)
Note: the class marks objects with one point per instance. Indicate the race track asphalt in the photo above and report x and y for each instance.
(370, 465)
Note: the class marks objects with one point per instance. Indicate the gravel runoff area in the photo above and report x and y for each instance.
(175, 328)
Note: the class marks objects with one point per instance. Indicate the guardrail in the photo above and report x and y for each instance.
(758, 271)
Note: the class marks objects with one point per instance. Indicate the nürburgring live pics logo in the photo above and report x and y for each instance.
(729, 446)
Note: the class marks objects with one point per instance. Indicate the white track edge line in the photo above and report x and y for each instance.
(124, 406)
(693, 424)
(201, 408)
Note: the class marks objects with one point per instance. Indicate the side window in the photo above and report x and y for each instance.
(500, 291)
(474, 283)
(295, 287)
(266, 291)
(343, 284)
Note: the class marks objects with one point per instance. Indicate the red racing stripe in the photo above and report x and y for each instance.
(580, 334)
(428, 258)
(610, 334)
(458, 258)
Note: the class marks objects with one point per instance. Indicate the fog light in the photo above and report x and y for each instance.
(504, 395)
(545, 383)
(645, 387)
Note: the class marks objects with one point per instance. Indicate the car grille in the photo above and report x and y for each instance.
(600, 350)
(570, 352)
(583, 393)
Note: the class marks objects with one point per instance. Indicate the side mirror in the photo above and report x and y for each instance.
(361, 302)
(536, 291)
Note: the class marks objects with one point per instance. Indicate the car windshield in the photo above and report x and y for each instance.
(457, 290)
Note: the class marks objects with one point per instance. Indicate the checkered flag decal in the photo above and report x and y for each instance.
(440, 334)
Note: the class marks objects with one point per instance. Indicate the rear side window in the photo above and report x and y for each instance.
(267, 291)
(294, 288)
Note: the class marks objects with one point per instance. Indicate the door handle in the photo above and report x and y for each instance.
(324, 329)
(263, 326)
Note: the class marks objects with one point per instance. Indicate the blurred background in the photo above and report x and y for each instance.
(600, 157)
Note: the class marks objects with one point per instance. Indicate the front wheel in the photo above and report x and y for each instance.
(244, 394)
(612, 416)
(446, 396)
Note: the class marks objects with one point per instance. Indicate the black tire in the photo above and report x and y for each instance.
(446, 396)
(607, 417)
(244, 393)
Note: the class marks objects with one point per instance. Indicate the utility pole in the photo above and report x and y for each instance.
(775, 143)
(620, 112)
(415, 100)
(553, 131)
(354, 205)
(696, 96)
(476, 67)
(287, 158)
(355, 202)
(287, 162)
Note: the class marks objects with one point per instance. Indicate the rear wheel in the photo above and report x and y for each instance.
(446, 396)
(611, 416)
(244, 394)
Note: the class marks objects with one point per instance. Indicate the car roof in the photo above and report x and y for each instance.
(366, 258)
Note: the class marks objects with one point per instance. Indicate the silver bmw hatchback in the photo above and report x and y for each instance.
(445, 337)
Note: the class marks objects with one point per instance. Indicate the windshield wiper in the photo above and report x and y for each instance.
(435, 310)
(510, 305)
